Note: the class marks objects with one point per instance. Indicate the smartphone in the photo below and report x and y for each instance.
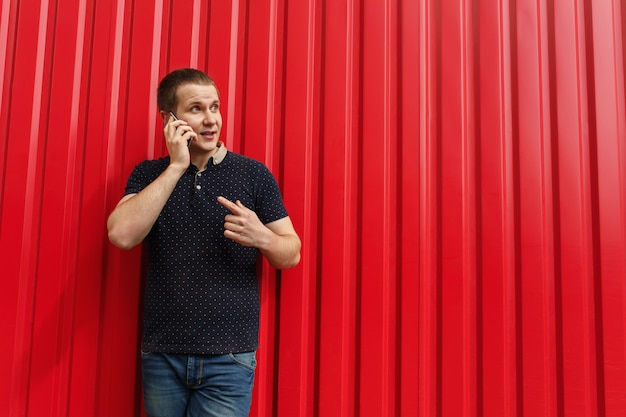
(176, 118)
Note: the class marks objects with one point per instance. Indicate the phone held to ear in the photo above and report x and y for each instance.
(176, 118)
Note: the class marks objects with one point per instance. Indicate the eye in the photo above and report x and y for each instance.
(195, 109)
(214, 107)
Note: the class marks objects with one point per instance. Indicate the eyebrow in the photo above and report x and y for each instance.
(202, 102)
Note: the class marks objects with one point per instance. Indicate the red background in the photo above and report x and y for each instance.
(456, 170)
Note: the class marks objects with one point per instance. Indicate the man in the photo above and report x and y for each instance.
(205, 213)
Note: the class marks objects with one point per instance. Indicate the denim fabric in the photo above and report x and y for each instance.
(197, 385)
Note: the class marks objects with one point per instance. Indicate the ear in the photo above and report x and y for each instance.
(165, 116)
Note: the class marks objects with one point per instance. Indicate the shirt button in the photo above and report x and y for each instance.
(198, 186)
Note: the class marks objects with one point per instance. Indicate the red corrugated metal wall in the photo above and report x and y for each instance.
(456, 170)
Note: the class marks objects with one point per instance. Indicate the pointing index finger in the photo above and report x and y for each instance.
(228, 204)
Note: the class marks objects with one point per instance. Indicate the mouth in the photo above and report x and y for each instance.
(208, 134)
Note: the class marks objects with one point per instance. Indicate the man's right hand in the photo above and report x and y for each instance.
(177, 134)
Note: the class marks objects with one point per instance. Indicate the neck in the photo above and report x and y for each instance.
(202, 160)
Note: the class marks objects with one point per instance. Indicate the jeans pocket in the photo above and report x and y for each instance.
(245, 359)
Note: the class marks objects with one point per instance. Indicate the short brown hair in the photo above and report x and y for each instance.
(166, 93)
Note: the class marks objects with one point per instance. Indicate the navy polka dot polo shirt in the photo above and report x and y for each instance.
(201, 294)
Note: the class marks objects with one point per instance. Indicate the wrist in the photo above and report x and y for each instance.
(265, 241)
(177, 168)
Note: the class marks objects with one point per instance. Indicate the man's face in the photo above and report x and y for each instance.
(199, 106)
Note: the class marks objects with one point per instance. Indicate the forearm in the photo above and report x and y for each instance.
(282, 251)
(133, 218)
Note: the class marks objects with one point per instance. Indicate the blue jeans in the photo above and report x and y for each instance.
(197, 385)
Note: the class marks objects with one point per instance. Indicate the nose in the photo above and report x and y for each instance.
(210, 118)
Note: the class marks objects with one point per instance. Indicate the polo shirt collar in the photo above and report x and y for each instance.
(220, 154)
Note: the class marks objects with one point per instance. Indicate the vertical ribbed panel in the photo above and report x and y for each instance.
(456, 170)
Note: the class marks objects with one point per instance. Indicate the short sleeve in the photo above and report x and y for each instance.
(143, 174)
(269, 202)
